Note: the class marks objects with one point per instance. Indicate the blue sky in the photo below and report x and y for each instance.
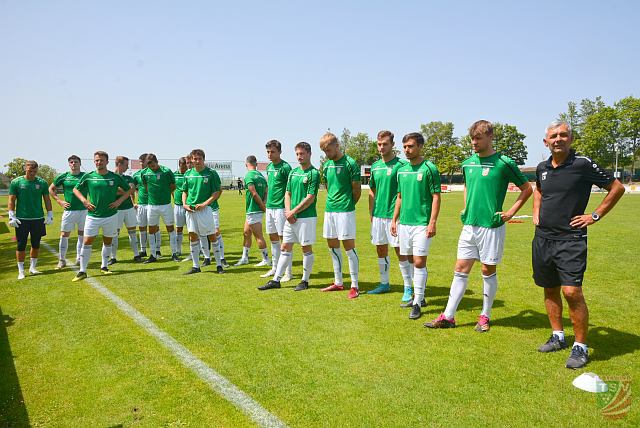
(166, 77)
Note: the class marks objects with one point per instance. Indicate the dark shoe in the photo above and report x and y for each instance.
(441, 322)
(175, 257)
(269, 285)
(192, 271)
(105, 271)
(225, 264)
(79, 276)
(143, 254)
(219, 269)
(112, 262)
(151, 259)
(578, 358)
(303, 285)
(137, 258)
(415, 312)
(553, 344)
(206, 262)
(158, 255)
(409, 304)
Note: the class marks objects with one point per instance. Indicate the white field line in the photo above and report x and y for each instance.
(216, 381)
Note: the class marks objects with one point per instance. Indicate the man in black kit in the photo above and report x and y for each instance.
(559, 249)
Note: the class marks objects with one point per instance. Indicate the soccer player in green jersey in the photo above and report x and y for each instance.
(179, 214)
(487, 175)
(103, 188)
(141, 205)
(26, 194)
(200, 193)
(74, 214)
(301, 218)
(277, 176)
(255, 198)
(160, 185)
(126, 215)
(343, 192)
(383, 192)
(416, 213)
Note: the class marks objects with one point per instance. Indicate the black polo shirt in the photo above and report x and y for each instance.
(565, 194)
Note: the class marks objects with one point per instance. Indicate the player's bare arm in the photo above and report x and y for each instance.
(356, 190)
(396, 215)
(435, 211)
(525, 193)
(54, 194)
(88, 205)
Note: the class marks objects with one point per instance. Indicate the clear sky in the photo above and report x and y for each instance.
(168, 76)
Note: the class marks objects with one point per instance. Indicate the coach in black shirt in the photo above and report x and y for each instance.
(559, 249)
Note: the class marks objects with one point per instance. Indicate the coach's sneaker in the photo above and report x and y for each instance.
(483, 324)
(303, 285)
(441, 322)
(415, 312)
(263, 263)
(407, 296)
(553, 344)
(192, 271)
(269, 285)
(286, 277)
(79, 276)
(268, 274)
(354, 292)
(242, 262)
(112, 262)
(206, 262)
(21, 275)
(333, 287)
(225, 264)
(578, 358)
(137, 259)
(151, 259)
(105, 271)
(380, 289)
(61, 264)
(219, 269)
(175, 257)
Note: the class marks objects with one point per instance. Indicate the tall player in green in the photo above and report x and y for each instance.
(487, 175)
(74, 214)
(383, 192)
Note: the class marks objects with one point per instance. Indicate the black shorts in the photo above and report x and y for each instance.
(557, 263)
(35, 228)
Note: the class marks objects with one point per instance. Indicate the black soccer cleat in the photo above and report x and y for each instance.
(269, 285)
(225, 264)
(175, 257)
(143, 254)
(151, 259)
(219, 269)
(206, 262)
(112, 262)
(137, 259)
(415, 312)
(303, 285)
(192, 271)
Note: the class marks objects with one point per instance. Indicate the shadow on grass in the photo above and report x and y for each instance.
(13, 411)
(610, 343)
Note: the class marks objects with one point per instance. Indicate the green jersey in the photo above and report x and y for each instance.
(302, 183)
(384, 180)
(487, 180)
(142, 192)
(277, 176)
(102, 190)
(199, 186)
(67, 181)
(416, 185)
(339, 175)
(256, 179)
(128, 203)
(158, 184)
(29, 195)
(177, 194)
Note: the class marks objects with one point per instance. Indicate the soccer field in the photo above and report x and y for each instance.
(71, 357)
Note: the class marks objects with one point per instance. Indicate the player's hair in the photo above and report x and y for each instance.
(327, 140)
(74, 157)
(274, 144)
(251, 159)
(197, 152)
(31, 163)
(556, 124)
(304, 146)
(143, 157)
(480, 128)
(102, 154)
(121, 159)
(415, 136)
(385, 135)
(151, 158)
(182, 161)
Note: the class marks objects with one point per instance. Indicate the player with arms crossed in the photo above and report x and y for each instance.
(126, 214)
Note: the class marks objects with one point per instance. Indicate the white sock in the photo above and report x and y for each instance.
(152, 244)
(354, 267)
(245, 253)
(560, 334)
(336, 258)
(133, 242)
(289, 266)
(106, 252)
(265, 254)
(21, 268)
(490, 288)
(84, 259)
(419, 284)
(283, 261)
(275, 253)
(63, 246)
(204, 243)
(79, 246)
(114, 245)
(179, 240)
(158, 241)
(33, 262)
(194, 246)
(405, 271)
(143, 240)
(458, 287)
(173, 242)
(221, 246)
(383, 267)
(582, 345)
(307, 266)
(215, 246)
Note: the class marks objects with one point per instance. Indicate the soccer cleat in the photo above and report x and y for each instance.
(206, 262)
(158, 255)
(286, 277)
(219, 269)
(242, 262)
(353, 293)
(105, 271)
(483, 324)
(333, 287)
(151, 259)
(34, 272)
(175, 258)
(578, 358)
(137, 259)
(553, 344)
(20, 275)
(380, 289)
(269, 285)
(112, 262)
(423, 304)
(268, 274)
(225, 264)
(263, 263)
(79, 276)
(143, 254)
(407, 296)
(441, 322)
(61, 264)
(303, 285)
(415, 312)
(192, 271)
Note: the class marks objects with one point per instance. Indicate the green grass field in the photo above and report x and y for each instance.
(70, 357)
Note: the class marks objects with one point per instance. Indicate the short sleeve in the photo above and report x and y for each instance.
(435, 178)
(215, 182)
(172, 177)
(288, 187)
(122, 183)
(372, 181)
(44, 187)
(354, 171)
(596, 175)
(13, 188)
(314, 182)
(82, 184)
(514, 174)
(538, 178)
(59, 179)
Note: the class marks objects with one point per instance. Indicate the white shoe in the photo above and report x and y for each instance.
(21, 275)
(34, 272)
(268, 274)
(286, 277)
(187, 259)
(242, 262)
(263, 263)
(61, 264)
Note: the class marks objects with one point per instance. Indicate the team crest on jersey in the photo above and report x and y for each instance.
(305, 180)
(485, 172)
(110, 182)
(206, 179)
(389, 171)
(37, 186)
(544, 175)
(157, 176)
(419, 176)
(338, 169)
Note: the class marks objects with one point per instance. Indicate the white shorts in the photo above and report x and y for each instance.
(72, 218)
(339, 225)
(141, 215)
(302, 232)
(155, 212)
(216, 219)
(482, 243)
(275, 220)
(254, 218)
(109, 226)
(200, 222)
(128, 217)
(413, 240)
(179, 215)
(381, 232)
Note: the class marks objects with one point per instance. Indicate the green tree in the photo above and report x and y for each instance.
(360, 147)
(601, 137)
(628, 112)
(441, 147)
(510, 142)
(15, 168)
